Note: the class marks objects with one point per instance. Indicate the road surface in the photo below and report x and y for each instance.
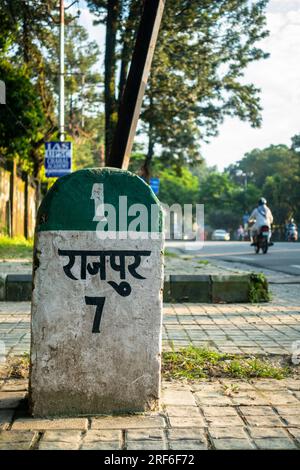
(282, 257)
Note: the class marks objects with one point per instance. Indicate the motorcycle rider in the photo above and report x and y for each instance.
(261, 215)
(291, 229)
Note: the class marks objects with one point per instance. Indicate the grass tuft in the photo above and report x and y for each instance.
(170, 254)
(198, 363)
(16, 367)
(16, 247)
(259, 290)
(203, 262)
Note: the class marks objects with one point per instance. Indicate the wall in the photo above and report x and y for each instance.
(17, 205)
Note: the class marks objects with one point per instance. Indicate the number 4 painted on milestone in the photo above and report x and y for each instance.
(99, 304)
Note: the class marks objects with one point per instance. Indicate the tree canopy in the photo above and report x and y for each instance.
(203, 49)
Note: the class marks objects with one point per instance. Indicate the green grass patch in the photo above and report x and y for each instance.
(259, 289)
(198, 363)
(170, 254)
(16, 247)
(16, 367)
(203, 262)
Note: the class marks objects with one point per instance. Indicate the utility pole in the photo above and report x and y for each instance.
(62, 71)
(136, 84)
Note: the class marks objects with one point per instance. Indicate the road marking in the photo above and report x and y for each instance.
(297, 266)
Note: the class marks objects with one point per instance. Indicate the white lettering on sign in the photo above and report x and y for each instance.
(58, 150)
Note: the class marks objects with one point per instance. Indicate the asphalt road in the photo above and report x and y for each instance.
(282, 257)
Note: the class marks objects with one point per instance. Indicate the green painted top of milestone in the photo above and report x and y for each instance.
(78, 202)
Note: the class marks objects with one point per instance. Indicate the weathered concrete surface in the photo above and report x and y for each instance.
(78, 367)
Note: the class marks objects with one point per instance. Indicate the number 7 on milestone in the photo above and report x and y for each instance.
(99, 303)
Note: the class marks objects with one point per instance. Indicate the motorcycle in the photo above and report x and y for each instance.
(292, 235)
(261, 240)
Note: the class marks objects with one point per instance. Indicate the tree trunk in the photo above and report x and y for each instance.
(129, 37)
(111, 111)
(25, 35)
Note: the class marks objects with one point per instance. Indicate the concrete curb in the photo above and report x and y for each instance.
(232, 288)
(16, 287)
(207, 288)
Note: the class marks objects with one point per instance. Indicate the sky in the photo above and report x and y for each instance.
(278, 77)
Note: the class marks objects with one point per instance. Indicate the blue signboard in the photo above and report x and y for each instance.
(58, 159)
(154, 183)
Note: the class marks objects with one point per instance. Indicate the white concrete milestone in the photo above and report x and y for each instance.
(97, 296)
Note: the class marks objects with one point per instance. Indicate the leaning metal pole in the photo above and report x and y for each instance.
(136, 84)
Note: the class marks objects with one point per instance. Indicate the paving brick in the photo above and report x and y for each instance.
(104, 435)
(144, 434)
(60, 440)
(128, 422)
(178, 434)
(264, 421)
(268, 384)
(182, 411)
(184, 422)
(146, 445)
(233, 444)
(218, 432)
(219, 411)
(221, 421)
(49, 445)
(44, 424)
(288, 409)
(275, 443)
(70, 436)
(10, 440)
(213, 400)
(184, 398)
(257, 411)
(15, 386)
(295, 432)
(267, 432)
(5, 418)
(291, 420)
(187, 445)
(207, 387)
(251, 398)
(101, 445)
(10, 399)
(292, 384)
(281, 398)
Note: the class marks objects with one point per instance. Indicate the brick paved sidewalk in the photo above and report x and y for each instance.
(221, 414)
(267, 329)
(217, 414)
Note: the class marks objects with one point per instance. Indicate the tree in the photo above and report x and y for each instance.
(29, 39)
(203, 49)
(22, 119)
(178, 189)
(28, 27)
(121, 20)
(273, 172)
(258, 164)
(83, 94)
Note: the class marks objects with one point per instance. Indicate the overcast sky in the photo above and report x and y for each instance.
(279, 80)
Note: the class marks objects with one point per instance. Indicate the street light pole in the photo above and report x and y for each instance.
(61, 71)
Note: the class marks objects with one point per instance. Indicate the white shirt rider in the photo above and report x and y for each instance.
(262, 216)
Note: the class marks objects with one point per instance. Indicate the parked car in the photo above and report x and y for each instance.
(220, 235)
